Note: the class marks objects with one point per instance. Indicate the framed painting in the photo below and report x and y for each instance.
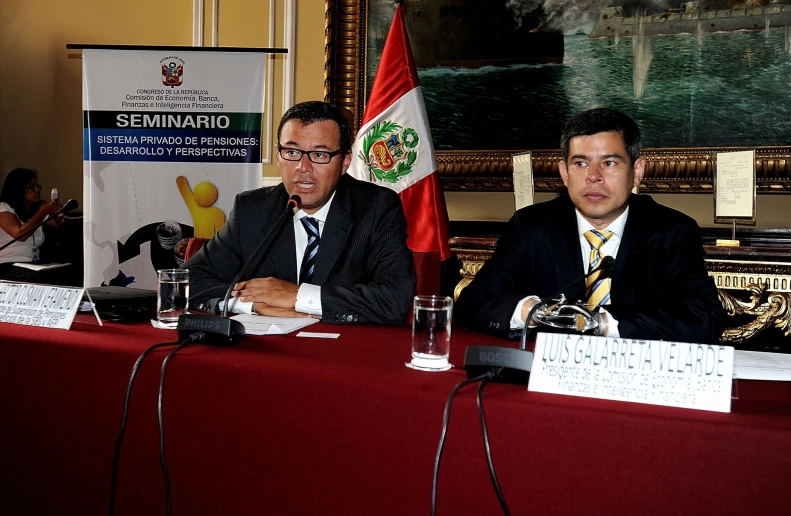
(501, 77)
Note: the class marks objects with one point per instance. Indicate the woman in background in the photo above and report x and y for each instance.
(21, 209)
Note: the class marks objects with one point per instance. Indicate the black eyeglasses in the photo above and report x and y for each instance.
(315, 156)
(35, 186)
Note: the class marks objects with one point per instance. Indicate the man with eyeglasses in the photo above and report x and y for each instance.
(343, 258)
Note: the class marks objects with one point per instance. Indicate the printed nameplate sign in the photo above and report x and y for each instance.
(39, 305)
(674, 374)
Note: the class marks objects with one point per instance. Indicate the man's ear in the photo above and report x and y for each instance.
(639, 171)
(564, 173)
(347, 161)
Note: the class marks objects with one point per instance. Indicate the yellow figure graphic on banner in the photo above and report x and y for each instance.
(206, 219)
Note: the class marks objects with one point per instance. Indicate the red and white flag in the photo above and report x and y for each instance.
(394, 146)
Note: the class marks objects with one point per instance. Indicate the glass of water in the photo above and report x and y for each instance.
(431, 333)
(173, 293)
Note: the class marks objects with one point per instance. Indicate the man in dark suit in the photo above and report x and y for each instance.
(343, 257)
(658, 287)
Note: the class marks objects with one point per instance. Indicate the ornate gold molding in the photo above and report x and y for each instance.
(471, 262)
(669, 170)
(739, 275)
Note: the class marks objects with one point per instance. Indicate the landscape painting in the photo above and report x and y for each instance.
(507, 74)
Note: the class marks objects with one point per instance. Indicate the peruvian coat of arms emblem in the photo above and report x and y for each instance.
(389, 151)
(172, 72)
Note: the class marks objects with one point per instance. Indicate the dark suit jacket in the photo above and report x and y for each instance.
(659, 290)
(363, 266)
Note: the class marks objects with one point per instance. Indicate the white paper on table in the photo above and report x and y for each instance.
(759, 365)
(266, 325)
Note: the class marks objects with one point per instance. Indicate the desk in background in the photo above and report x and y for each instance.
(286, 425)
(753, 283)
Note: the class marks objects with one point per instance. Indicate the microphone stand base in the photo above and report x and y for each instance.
(220, 331)
(516, 363)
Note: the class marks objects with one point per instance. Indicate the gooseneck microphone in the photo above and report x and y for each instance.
(219, 329)
(70, 205)
(263, 248)
(606, 264)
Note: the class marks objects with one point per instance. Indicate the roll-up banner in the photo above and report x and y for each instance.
(169, 139)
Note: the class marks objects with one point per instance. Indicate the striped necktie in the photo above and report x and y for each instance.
(598, 288)
(309, 259)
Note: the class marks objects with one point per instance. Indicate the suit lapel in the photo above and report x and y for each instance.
(281, 261)
(567, 255)
(333, 239)
(283, 258)
(632, 243)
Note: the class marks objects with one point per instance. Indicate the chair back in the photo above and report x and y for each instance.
(193, 246)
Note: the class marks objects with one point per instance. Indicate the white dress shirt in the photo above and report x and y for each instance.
(19, 251)
(610, 248)
(308, 296)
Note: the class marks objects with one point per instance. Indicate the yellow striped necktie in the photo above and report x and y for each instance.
(598, 288)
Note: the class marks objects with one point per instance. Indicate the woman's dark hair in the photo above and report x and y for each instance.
(13, 192)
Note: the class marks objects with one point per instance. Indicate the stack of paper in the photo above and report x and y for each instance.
(266, 325)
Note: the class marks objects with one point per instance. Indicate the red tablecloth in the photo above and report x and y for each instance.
(286, 425)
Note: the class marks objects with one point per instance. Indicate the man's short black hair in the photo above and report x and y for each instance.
(602, 120)
(316, 111)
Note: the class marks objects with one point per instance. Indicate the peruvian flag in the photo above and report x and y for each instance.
(394, 146)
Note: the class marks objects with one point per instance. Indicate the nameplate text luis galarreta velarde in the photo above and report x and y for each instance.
(674, 374)
(39, 305)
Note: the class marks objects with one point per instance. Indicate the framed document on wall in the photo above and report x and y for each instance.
(734, 188)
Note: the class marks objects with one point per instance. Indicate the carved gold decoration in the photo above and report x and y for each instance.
(739, 274)
(471, 262)
(774, 312)
(667, 170)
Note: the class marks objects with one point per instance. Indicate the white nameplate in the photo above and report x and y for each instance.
(674, 374)
(39, 305)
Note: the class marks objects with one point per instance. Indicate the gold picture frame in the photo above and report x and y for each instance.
(668, 170)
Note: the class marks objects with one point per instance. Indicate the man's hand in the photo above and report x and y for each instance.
(529, 304)
(270, 291)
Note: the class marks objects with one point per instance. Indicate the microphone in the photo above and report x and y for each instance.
(517, 363)
(606, 264)
(219, 329)
(293, 203)
(70, 205)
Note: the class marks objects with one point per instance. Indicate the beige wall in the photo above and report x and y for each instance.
(40, 87)
(772, 210)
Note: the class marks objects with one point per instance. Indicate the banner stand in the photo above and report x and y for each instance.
(171, 135)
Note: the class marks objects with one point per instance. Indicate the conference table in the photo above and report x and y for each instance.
(292, 425)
